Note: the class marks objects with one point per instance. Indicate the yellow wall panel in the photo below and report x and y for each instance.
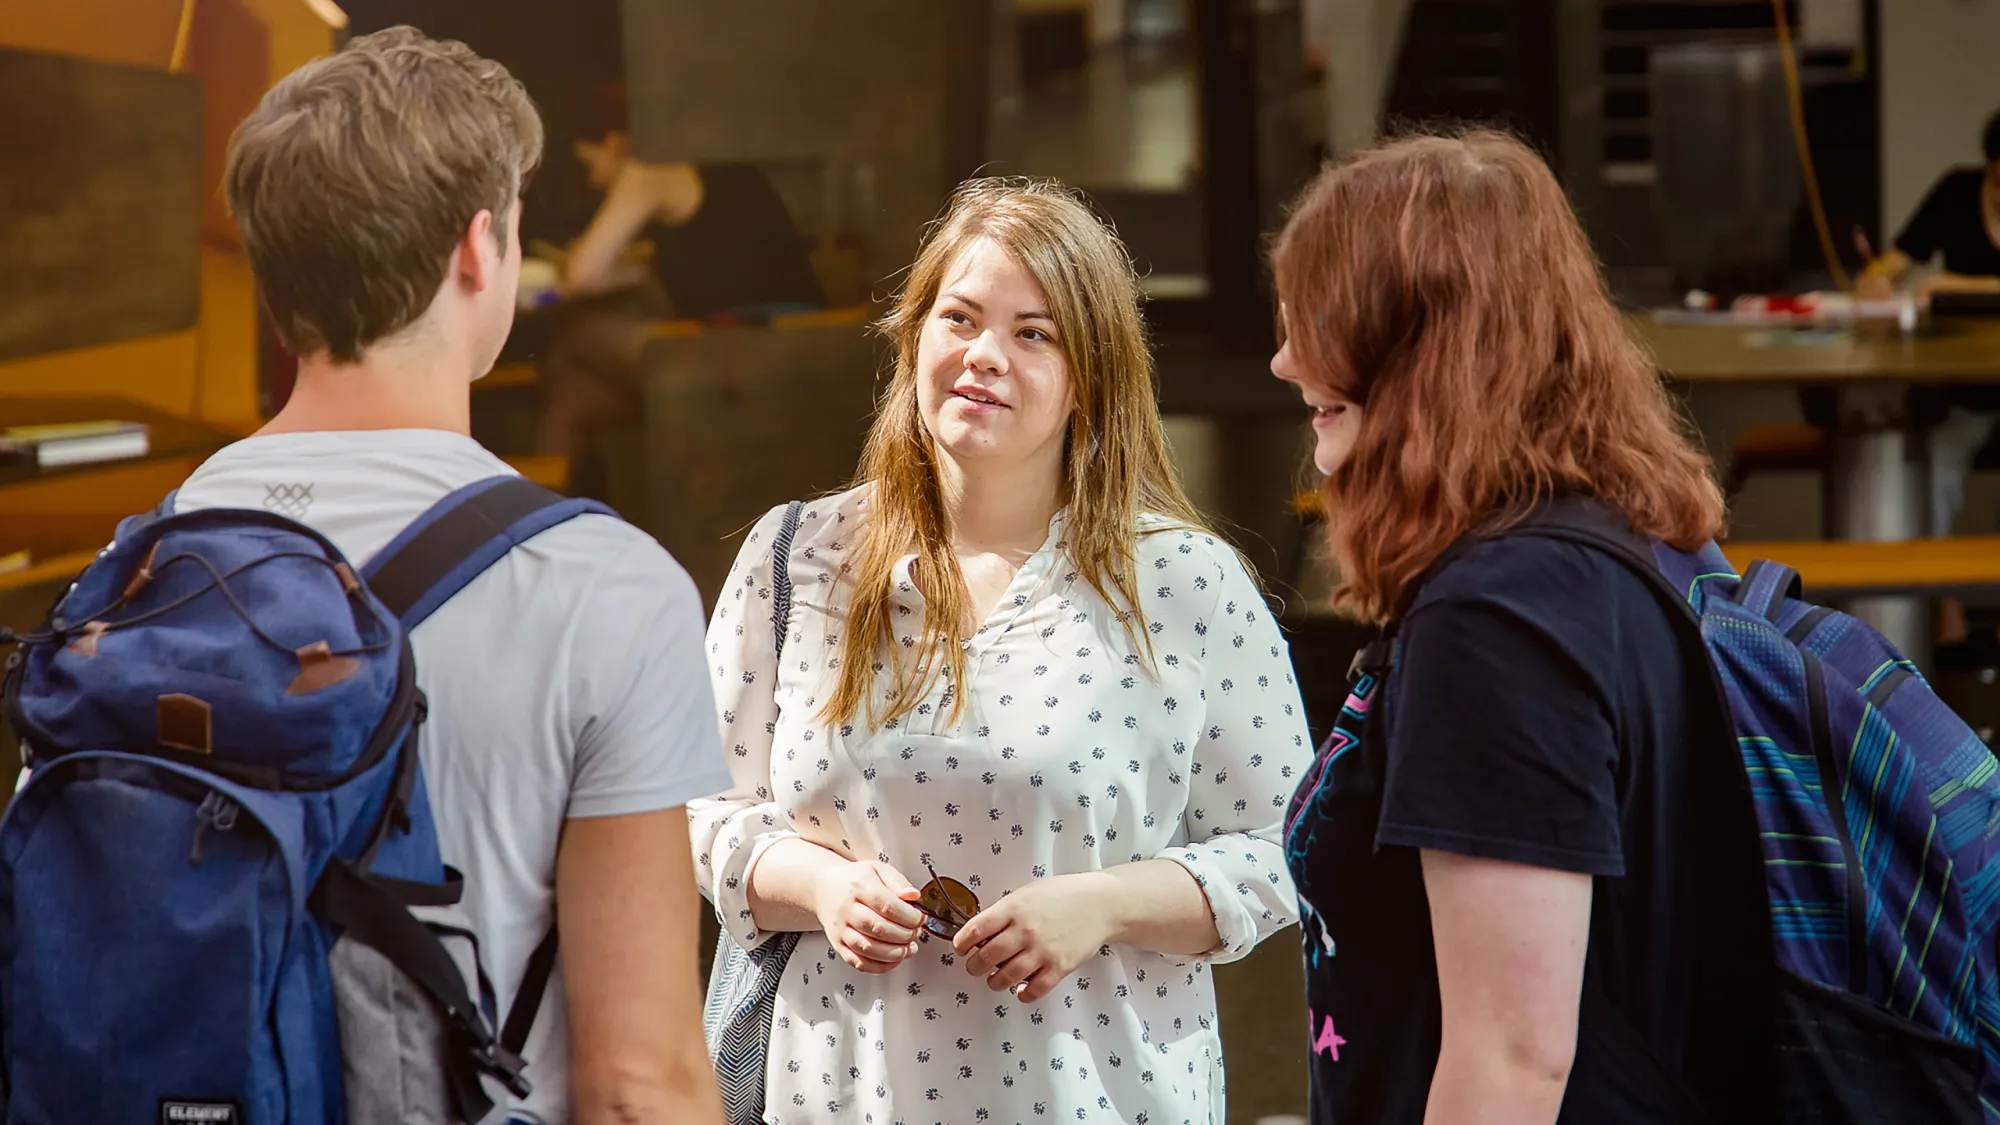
(301, 31)
(138, 32)
(158, 371)
(228, 359)
(228, 51)
(239, 48)
(117, 491)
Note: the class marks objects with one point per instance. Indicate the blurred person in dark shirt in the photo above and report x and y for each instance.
(670, 241)
(1958, 222)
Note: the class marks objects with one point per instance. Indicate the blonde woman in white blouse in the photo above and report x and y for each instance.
(1017, 661)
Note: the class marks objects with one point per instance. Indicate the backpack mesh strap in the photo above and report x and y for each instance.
(743, 993)
(781, 573)
(370, 913)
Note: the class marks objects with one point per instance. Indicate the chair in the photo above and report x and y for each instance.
(1798, 447)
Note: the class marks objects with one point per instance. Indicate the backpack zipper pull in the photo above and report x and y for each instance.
(217, 812)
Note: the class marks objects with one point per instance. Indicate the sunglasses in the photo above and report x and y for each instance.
(948, 903)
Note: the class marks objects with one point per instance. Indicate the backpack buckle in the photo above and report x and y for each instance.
(506, 1066)
(1374, 658)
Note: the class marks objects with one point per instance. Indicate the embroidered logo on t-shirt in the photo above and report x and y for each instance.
(192, 1112)
(292, 500)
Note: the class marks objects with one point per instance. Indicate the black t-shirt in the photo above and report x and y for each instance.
(740, 250)
(1951, 220)
(1542, 709)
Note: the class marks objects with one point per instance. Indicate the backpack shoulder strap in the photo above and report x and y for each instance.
(1590, 523)
(1579, 520)
(434, 558)
(781, 573)
(459, 537)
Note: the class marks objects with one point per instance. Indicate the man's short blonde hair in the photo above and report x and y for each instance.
(354, 178)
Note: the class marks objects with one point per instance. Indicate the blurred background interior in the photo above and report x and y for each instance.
(131, 344)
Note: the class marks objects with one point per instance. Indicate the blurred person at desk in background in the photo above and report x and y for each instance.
(1959, 220)
(721, 241)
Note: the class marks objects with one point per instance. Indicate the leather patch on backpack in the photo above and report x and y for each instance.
(86, 643)
(144, 576)
(185, 724)
(320, 668)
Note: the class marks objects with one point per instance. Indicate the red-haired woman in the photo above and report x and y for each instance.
(1524, 895)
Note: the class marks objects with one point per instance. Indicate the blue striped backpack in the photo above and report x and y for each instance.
(222, 899)
(1879, 815)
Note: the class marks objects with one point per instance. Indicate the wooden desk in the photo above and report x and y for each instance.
(740, 419)
(1837, 570)
(1880, 478)
(1956, 351)
(59, 546)
(783, 322)
(48, 570)
(534, 328)
(63, 515)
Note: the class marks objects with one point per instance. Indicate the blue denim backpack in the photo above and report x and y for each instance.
(221, 894)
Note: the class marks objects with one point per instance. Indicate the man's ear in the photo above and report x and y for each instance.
(476, 261)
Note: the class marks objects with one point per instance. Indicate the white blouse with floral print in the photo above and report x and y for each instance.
(1069, 756)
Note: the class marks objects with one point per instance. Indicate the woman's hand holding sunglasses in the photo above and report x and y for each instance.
(1035, 937)
(868, 916)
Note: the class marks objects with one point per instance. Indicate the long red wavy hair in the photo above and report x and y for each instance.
(1443, 284)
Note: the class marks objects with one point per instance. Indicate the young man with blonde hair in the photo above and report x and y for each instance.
(378, 195)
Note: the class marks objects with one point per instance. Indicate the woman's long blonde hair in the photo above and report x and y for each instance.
(1116, 464)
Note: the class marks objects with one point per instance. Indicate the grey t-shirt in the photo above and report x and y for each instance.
(566, 681)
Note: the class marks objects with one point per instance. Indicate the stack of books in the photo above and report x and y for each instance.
(73, 443)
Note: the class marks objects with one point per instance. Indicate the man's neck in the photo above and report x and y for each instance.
(1005, 510)
(390, 388)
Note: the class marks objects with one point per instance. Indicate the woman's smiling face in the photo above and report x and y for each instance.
(1335, 421)
(993, 385)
